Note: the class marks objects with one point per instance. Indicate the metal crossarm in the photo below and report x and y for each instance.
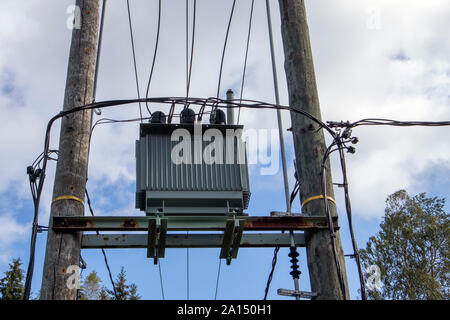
(182, 240)
(158, 239)
(190, 223)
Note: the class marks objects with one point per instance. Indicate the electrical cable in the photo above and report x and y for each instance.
(189, 64)
(134, 56)
(217, 281)
(161, 280)
(386, 122)
(246, 56)
(294, 192)
(154, 55)
(274, 263)
(103, 250)
(188, 84)
(330, 223)
(34, 172)
(99, 50)
(350, 224)
(224, 49)
(187, 273)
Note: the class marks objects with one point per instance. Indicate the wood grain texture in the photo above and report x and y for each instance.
(309, 146)
(63, 249)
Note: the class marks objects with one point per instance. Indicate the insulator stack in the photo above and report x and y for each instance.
(295, 273)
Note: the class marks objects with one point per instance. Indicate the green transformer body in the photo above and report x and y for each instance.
(191, 169)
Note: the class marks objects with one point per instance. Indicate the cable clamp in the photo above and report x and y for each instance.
(315, 198)
(68, 198)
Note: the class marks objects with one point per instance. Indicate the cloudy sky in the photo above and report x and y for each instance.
(373, 58)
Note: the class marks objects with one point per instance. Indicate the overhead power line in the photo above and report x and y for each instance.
(130, 23)
(225, 48)
(103, 250)
(250, 22)
(154, 55)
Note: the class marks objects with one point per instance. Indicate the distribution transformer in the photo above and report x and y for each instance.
(191, 169)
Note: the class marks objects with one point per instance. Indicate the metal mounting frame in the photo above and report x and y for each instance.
(158, 238)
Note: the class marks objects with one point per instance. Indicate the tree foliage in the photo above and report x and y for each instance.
(90, 289)
(411, 249)
(11, 286)
(124, 290)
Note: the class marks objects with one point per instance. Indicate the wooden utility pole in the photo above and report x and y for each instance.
(309, 148)
(63, 249)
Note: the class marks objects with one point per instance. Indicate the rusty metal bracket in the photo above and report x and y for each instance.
(231, 239)
(190, 223)
(157, 235)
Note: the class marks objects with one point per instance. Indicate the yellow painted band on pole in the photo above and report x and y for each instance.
(317, 197)
(68, 198)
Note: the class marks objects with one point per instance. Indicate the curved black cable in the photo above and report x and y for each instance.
(134, 56)
(154, 56)
(330, 221)
(269, 280)
(246, 56)
(225, 48)
(189, 64)
(350, 224)
(103, 250)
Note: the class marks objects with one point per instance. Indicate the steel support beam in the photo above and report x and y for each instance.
(190, 223)
(215, 240)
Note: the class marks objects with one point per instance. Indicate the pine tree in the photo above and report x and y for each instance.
(133, 292)
(412, 249)
(124, 291)
(104, 294)
(90, 289)
(11, 286)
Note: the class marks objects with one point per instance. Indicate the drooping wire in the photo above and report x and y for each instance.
(294, 192)
(188, 83)
(330, 222)
(154, 56)
(99, 50)
(103, 250)
(218, 277)
(225, 48)
(387, 122)
(274, 263)
(161, 279)
(134, 56)
(35, 173)
(246, 57)
(350, 224)
(189, 64)
(187, 273)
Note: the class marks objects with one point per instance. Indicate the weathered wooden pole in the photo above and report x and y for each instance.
(309, 148)
(63, 249)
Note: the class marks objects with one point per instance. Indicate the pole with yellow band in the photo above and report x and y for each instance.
(315, 198)
(68, 198)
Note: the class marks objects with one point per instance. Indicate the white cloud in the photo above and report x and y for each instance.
(357, 73)
(10, 232)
